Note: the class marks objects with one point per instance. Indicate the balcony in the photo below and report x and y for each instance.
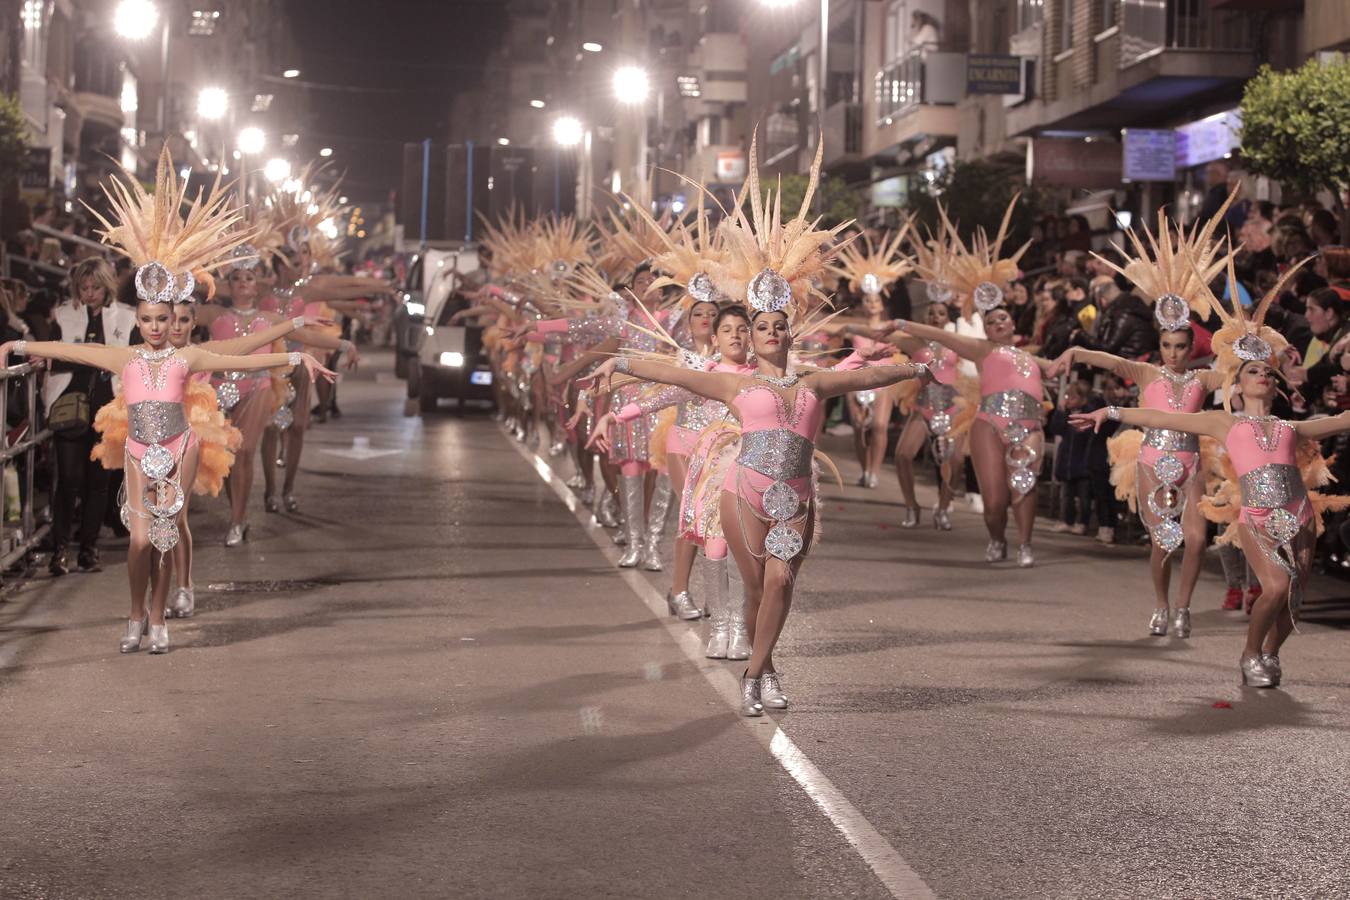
(1165, 58)
(717, 72)
(916, 99)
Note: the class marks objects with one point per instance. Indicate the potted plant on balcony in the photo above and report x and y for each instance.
(1296, 128)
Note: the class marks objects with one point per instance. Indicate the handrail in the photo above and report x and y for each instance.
(30, 533)
(34, 264)
(73, 238)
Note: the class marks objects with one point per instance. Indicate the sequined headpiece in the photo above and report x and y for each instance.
(769, 262)
(1173, 269)
(976, 273)
(690, 248)
(172, 252)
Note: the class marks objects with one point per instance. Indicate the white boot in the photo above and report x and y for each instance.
(656, 525)
(739, 645)
(716, 589)
(630, 498)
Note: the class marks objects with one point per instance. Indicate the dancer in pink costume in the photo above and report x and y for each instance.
(1266, 501)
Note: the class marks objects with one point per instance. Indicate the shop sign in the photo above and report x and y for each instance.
(1211, 138)
(1075, 163)
(993, 73)
(731, 166)
(37, 170)
(1150, 154)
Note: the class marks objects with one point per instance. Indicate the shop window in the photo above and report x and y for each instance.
(1030, 14)
(1066, 35)
(1110, 14)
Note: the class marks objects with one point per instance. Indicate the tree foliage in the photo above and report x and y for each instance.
(975, 194)
(13, 137)
(1296, 127)
(837, 202)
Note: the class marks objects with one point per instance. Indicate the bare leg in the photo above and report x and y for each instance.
(677, 467)
(879, 432)
(1271, 622)
(250, 418)
(856, 417)
(738, 536)
(182, 554)
(1194, 528)
(986, 450)
(271, 438)
(1024, 508)
(907, 449)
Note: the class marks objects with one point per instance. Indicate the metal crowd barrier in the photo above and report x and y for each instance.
(18, 542)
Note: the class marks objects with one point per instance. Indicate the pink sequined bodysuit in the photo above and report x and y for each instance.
(1267, 469)
(776, 442)
(940, 394)
(1172, 393)
(229, 326)
(1010, 389)
(154, 389)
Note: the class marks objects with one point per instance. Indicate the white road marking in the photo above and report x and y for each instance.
(885, 862)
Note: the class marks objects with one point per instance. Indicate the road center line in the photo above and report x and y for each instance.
(885, 862)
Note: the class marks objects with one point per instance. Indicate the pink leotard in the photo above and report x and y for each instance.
(1163, 394)
(1010, 389)
(154, 393)
(1267, 469)
(776, 442)
(230, 326)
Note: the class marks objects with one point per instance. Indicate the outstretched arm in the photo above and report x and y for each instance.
(1324, 427)
(833, 383)
(1139, 373)
(969, 348)
(1215, 423)
(246, 344)
(571, 370)
(200, 360)
(342, 287)
(713, 385)
(112, 359)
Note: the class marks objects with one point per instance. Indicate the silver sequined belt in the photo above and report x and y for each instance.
(156, 421)
(937, 396)
(1170, 441)
(1272, 486)
(777, 453)
(1011, 405)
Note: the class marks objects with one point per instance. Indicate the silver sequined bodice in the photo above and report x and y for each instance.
(1011, 405)
(156, 421)
(1272, 486)
(777, 453)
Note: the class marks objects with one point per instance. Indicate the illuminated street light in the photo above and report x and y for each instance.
(504, 142)
(567, 131)
(326, 152)
(631, 85)
(135, 19)
(592, 47)
(252, 140)
(276, 170)
(342, 200)
(291, 73)
(212, 103)
(537, 104)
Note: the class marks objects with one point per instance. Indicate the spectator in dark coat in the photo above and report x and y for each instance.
(1126, 326)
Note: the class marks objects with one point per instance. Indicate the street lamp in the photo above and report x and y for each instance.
(212, 103)
(277, 170)
(567, 131)
(631, 85)
(135, 19)
(252, 141)
(326, 152)
(291, 73)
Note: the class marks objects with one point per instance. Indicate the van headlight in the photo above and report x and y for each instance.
(452, 359)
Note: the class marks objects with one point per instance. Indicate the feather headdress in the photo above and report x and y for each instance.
(172, 252)
(769, 262)
(1244, 338)
(976, 273)
(690, 248)
(1174, 269)
(509, 243)
(872, 269)
(632, 236)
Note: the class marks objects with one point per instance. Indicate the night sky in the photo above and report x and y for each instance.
(418, 53)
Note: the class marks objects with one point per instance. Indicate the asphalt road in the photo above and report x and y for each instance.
(432, 682)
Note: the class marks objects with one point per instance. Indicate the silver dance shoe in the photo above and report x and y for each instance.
(1157, 625)
(771, 691)
(630, 495)
(556, 449)
(942, 520)
(159, 639)
(1255, 674)
(182, 604)
(292, 505)
(605, 515)
(1025, 558)
(910, 517)
(750, 702)
(576, 482)
(235, 536)
(996, 551)
(871, 479)
(1272, 665)
(1181, 623)
(716, 587)
(270, 504)
(682, 606)
(131, 639)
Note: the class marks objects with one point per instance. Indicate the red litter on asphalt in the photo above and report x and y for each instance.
(1222, 704)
